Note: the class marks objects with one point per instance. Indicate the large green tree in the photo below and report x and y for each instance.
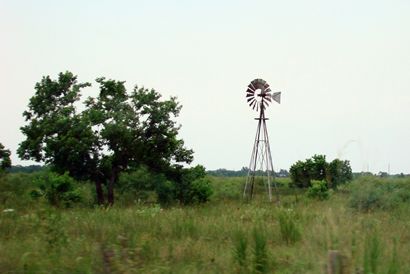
(114, 132)
(317, 168)
(338, 172)
(5, 161)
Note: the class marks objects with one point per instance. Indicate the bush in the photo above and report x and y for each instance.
(138, 185)
(227, 188)
(165, 190)
(371, 193)
(58, 190)
(201, 190)
(318, 190)
(316, 168)
(14, 189)
(186, 185)
(191, 186)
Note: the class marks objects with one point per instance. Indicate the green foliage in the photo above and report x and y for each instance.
(222, 172)
(226, 188)
(289, 230)
(240, 242)
(260, 252)
(302, 173)
(299, 174)
(58, 190)
(187, 186)
(56, 133)
(53, 230)
(316, 168)
(394, 266)
(372, 193)
(338, 172)
(201, 190)
(139, 185)
(191, 186)
(116, 131)
(14, 190)
(26, 169)
(196, 239)
(5, 161)
(165, 190)
(372, 254)
(318, 190)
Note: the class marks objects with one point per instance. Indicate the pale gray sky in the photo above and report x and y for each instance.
(343, 68)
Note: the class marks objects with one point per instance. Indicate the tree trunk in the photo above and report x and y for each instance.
(100, 193)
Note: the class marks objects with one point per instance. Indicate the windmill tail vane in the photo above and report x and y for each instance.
(259, 96)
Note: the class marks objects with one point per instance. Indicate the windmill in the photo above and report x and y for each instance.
(258, 96)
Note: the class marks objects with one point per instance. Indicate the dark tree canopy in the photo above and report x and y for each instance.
(115, 132)
(317, 168)
(5, 161)
(56, 133)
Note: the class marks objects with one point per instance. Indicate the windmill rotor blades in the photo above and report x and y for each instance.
(259, 94)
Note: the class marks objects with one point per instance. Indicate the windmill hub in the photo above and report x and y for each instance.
(259, 94)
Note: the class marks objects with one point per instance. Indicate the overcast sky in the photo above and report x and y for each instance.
(343, 68)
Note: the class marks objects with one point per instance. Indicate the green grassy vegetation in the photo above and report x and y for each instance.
(367, 221)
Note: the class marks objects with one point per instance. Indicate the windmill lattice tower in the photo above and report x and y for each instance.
(258, 96)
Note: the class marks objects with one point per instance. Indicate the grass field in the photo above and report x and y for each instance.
(225, 235)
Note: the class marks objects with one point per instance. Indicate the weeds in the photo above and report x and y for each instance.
(260, 252)
(240, 242)
(372, 254)
(394, 266)
(289, 230)
(223, 236)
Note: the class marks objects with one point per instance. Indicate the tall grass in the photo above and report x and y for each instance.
(372, 254)
(223, 236)
(240, 250)
(289, 230)
(260, 252)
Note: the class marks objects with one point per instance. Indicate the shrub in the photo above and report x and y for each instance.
(227, 188)
(201, 190)
(191, 186)
(14, 189)
(318, 190)
(165, 190)
(316, 168)
(141, 185)
(186, 185)
(371, 193)
(338, 172)
(59, 190)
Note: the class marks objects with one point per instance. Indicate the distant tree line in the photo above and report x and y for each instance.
(25, 169)
(222, 172)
